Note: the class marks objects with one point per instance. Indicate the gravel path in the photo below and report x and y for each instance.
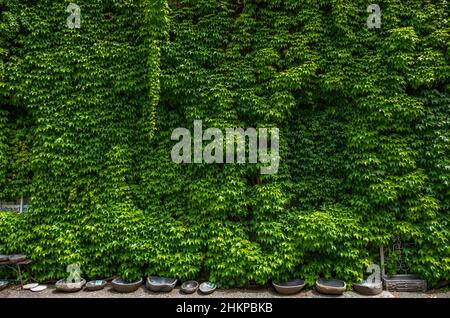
(142, 292)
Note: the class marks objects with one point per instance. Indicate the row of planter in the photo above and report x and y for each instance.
(397, 283)
(153, 283)
(329, 287)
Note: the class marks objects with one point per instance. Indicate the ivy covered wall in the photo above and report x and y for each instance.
(86, 117)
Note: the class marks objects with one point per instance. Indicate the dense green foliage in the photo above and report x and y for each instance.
(364, 114)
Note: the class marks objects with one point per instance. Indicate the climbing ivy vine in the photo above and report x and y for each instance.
(86, 115)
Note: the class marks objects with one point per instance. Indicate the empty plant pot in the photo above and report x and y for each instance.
(95, 285)
(4, 258)
(160, 284)
(207, 288)
(189, 287)
(369, 289)
(17, 258)
(69, 287)
(290, 287)
(121, 287)
(3, 284)
(331, 286)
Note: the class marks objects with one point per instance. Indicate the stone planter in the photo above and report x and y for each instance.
(160, 284)
(405, 283)
(95, 285)
(207, 288)
(369, 289)
(3, 284)
(63, 286)
(290, 287)
(38, 288)
(330, 287)
(121, 287)
(29, 286)
(189, 287)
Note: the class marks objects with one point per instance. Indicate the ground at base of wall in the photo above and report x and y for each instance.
(142, 292)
